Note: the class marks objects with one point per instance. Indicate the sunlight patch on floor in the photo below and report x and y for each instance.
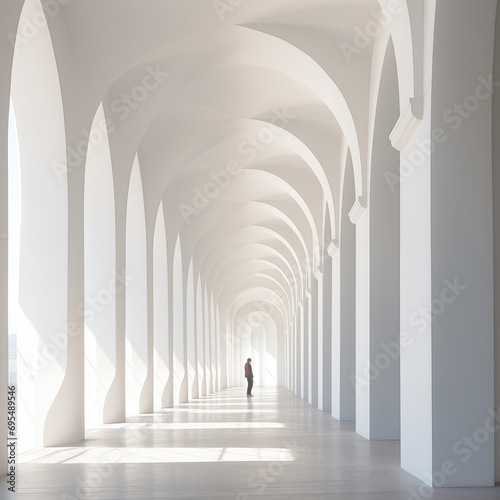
(102, 455)
(193, 425)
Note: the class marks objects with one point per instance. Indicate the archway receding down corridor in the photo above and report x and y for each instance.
(306, 183)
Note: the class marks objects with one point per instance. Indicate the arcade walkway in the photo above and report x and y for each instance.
(226, 446)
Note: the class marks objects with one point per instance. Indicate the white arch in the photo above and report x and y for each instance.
(407, 34)
(284, 142)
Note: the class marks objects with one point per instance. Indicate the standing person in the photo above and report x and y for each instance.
(249, 377)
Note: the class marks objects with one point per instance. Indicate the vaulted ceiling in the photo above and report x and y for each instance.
(241, 112)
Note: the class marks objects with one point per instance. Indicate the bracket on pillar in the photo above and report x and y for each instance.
(317, 273)
(317, 262)
(408, 123)
(332, 248)
(357, 210)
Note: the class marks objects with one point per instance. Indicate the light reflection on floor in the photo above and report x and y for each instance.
(130, 455)
(193, 425)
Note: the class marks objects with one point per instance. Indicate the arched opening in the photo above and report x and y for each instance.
(257, 337)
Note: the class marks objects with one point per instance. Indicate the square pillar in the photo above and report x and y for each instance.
(447, 363)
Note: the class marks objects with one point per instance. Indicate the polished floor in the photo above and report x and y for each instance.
(226, 446)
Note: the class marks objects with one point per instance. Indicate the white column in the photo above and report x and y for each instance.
(208, 370)
(325, 394)
(307, 348)
(191, 366)
(8, 24)
(377, 277)
(102, 284)
(320, 365)
(363, 366)
(223, 362)
(262, 336)
(243, 351)
(169, 389)
(50, 349)
(137, 353)
(178, 325)
(343, 310)
(294, 362)
(225, 353)
(291, 358)
(313, 343)
(200, 356)
(4, 271)
(213, 345)
(301, 351)
(496, 222)
(446, 257)
(116, 411)
(218, 339)
(161, 313)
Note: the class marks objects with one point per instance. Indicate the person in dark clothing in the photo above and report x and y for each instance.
(249, 377)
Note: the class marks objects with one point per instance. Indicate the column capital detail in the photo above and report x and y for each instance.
(332, 248)
(408, 123)
(357, 210)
